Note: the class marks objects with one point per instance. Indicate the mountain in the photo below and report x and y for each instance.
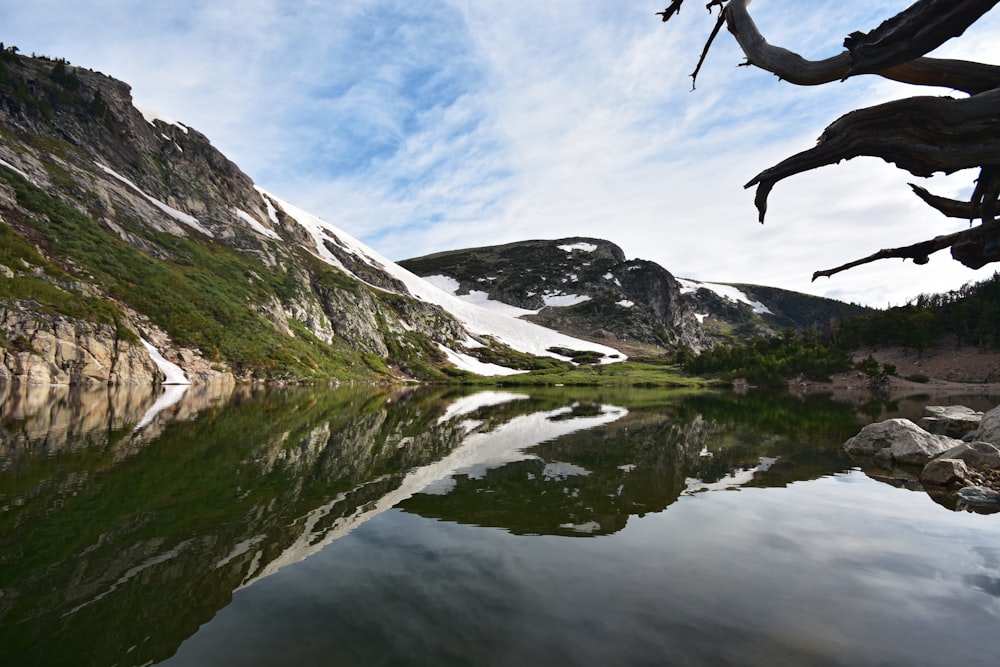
(133, 251)
(587, 288)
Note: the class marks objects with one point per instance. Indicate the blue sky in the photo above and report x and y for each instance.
(428, 125)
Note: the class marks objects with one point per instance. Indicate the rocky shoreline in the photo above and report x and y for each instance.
(953, 454)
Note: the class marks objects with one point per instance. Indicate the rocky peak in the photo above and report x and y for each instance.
(582, 286)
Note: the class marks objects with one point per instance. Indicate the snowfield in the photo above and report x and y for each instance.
(725, 291)
(480, 316)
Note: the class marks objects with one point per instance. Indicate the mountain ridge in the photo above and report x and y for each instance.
(125, 232)
(587, 287)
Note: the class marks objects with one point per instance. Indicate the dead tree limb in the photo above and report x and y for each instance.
(949, 207)
(969, 77)
(922, 135)
(974, 248)
(919, 29)
(708, 45)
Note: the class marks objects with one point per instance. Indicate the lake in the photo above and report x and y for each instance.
(439, 526)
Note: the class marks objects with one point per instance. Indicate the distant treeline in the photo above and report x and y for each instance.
(967, 316)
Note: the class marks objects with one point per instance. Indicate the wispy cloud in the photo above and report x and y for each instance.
(427, 125)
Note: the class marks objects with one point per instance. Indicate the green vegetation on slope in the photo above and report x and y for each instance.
(203, 296)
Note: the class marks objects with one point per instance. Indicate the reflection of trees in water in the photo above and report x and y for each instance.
(642, 462)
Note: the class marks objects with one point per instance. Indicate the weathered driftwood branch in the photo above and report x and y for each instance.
(923, 135)
(919, 29)
(949, 207)
(674, 8)
(969, 77)
(708, 45)
(975, 248)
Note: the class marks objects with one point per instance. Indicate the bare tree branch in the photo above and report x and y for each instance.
(918, 252)
(964, 75)
(969, 77)
(922, 135)
(949, 207)
(919, 29)
(986, 192)
(975, 248)
(674, 8)
(708, 45)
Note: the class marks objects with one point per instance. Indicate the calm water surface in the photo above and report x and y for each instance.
(439, 527)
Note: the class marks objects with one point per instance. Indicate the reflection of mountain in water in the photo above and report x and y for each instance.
(117, 544)
(590, 482)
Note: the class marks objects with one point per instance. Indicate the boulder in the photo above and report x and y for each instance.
(989, 427)
(898, 441)
(945, 472)
(952, 420)
(976, 455)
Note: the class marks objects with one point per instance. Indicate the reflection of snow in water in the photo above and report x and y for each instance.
(735, 479)
(172, 393)
(478, 453)
(590, 527)
(483, 399)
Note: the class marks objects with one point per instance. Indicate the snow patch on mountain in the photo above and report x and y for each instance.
(179, 216)
(477, 297)
(255, 224)
(725, 291)
(479, 321)
(584, 247)
(560, 300)
(151, 115)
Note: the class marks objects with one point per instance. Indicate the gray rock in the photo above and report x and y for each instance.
(976, 455)
(898, 441)
(989, 427)
(944, 472)
(951, 420)
(978, 498)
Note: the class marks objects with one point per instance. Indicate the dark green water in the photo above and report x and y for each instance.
(437, 527)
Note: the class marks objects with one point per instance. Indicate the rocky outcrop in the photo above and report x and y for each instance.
(960, 475)
(898, 441)
(59, 350)
(956, 421)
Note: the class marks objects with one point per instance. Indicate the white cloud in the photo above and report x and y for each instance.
(429, 125)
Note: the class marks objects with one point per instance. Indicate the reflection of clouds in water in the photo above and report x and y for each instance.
(987, 584)
(989, 580)
(764, 577)
(991, 556)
